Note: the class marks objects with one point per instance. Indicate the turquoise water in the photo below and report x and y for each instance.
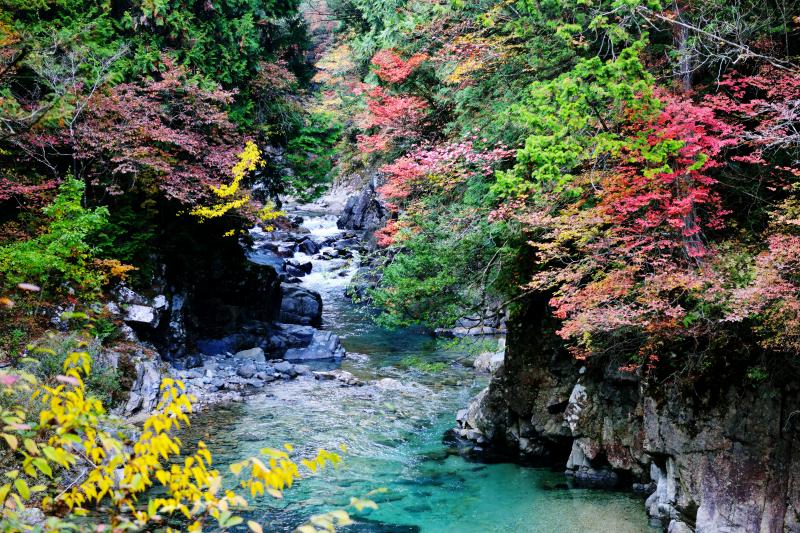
(393, 432)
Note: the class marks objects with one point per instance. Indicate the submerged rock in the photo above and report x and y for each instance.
(340, 375)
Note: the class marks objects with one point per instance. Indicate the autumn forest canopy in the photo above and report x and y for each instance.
(632, 164)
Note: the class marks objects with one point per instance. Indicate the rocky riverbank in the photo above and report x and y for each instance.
(223, 364)
(710, 459)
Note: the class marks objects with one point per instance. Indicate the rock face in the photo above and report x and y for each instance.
(713, 458)
(364, 211)
(145, 392)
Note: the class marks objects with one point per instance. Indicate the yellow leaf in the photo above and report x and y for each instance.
(255, 527)
(11, 440)
(22, 488)
(44, 466)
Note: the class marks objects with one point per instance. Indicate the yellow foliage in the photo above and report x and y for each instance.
(73, 434)
(249, 160)
(114, 269)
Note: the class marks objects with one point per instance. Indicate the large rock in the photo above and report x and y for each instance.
(489, 361)
(255, 354)
(308, 246)
(281, 337)
(363, 212)
(266, 255)
(300, 306)
(324, 345)
(144, 394)
(142, 315)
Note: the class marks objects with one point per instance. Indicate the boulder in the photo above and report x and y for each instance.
(284, 367)
(294, 272)
(255, 354)
(302, 266)
(246, 371)
(302, 370)
(365, 211)
(268, 256)
(308, 247)
(127, 296)
(324, 345)
(144, 315)
(300, 306)
(489, 361)
(281, 337)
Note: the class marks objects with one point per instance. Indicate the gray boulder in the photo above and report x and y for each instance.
(363, 212)
(255, 354)
(308, 247)
(300, 306)
(324, 345)
(489, 361)
(142, 315)
(246, 371)
(284, 336)
(284, 367)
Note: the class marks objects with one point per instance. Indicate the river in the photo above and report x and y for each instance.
(393, 430)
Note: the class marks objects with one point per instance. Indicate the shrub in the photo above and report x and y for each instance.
(62, 253)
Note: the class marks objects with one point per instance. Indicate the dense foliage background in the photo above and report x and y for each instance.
(636, 161)
(121, 126)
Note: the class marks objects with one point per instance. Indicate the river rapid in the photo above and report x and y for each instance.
(392, 428)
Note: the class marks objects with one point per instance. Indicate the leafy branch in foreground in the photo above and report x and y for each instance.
(76, 460)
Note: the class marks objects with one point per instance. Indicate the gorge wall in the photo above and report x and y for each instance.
(712, 457)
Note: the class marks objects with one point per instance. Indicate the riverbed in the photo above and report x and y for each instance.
(392, 428)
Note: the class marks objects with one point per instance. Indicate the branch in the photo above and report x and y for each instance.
(745, 50)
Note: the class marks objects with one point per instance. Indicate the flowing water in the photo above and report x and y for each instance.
(393, 433)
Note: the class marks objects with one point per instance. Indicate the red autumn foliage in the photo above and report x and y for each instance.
(630, 261)
(664, 210)
(391, 117)
(168, 133)
(385, 236)
(643, 259)
(770, 101)
(35, 193)
(441, 168)
(391, 68)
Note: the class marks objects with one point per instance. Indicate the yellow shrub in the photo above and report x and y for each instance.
(73, 431)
